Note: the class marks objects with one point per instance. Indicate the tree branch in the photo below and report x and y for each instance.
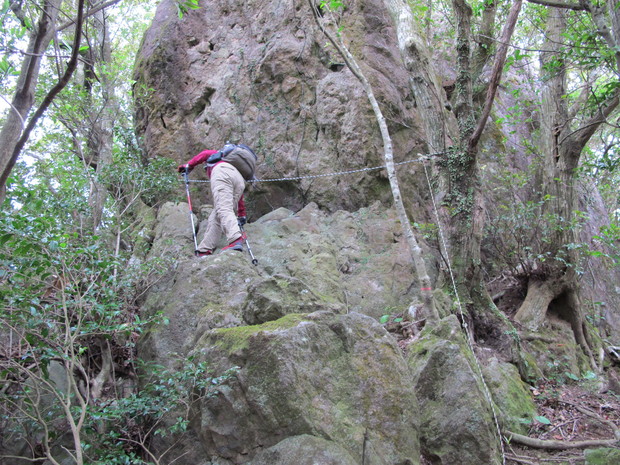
(89, 13)
(566, 6)
(49, 97)
(587, 130)
(500, 60)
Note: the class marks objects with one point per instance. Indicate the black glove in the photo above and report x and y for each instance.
(241, 220)
(184, 168)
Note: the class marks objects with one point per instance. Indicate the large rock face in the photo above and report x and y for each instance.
(260, 72)
(307, 261)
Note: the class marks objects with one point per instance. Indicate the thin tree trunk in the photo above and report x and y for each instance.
(23, 99)
(429, 310)
(14, 139)
(100, 136)
(496, 74)
(485, 39)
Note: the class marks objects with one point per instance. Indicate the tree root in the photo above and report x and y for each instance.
(559, 445)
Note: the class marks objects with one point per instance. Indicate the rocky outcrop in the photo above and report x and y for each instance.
(318, 377)
(307, 261)
(313, 383)
(261, 73)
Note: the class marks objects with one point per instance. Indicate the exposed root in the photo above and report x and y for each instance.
(551, 444)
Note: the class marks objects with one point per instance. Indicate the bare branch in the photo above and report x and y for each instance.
(563, 5)
(90, 12)
(496, 75)
(64, 80)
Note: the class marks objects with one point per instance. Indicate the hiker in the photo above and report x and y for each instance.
(228, 169)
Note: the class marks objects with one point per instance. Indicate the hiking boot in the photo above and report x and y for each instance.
(204, 254)
(237, 244)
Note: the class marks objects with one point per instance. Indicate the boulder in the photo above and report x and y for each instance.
(456, 422)
(336, 377)
(511, 395)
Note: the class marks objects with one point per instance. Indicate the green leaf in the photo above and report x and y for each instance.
(5, 238)
(542, 420)
(384, 319)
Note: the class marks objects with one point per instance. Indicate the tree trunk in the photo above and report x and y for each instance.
(540, 293)
(425, 85)
(23, 99)
(562, 145)
(100, 137)
(465, 215)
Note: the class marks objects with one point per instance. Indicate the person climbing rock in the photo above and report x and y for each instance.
(227, 170)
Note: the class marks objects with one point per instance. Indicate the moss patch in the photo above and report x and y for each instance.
(234, 340)
(602, 456)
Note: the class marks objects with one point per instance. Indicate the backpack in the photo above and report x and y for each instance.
(240, 156)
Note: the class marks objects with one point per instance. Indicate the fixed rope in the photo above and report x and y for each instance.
(468, 335)
(421, 159)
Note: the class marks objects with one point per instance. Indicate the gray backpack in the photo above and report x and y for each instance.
(240, 156)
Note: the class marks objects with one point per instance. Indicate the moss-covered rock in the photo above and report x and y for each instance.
(555, 350)
(273, 297)
(510, 394)
(304, 450)
(456, 417)
(333, 376)
(307, 261)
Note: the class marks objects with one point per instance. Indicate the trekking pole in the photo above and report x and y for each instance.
(191, 213)
(254, 261)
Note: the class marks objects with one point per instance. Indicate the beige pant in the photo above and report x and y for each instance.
(227, 186)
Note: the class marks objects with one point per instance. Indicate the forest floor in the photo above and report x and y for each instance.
(567, 411)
